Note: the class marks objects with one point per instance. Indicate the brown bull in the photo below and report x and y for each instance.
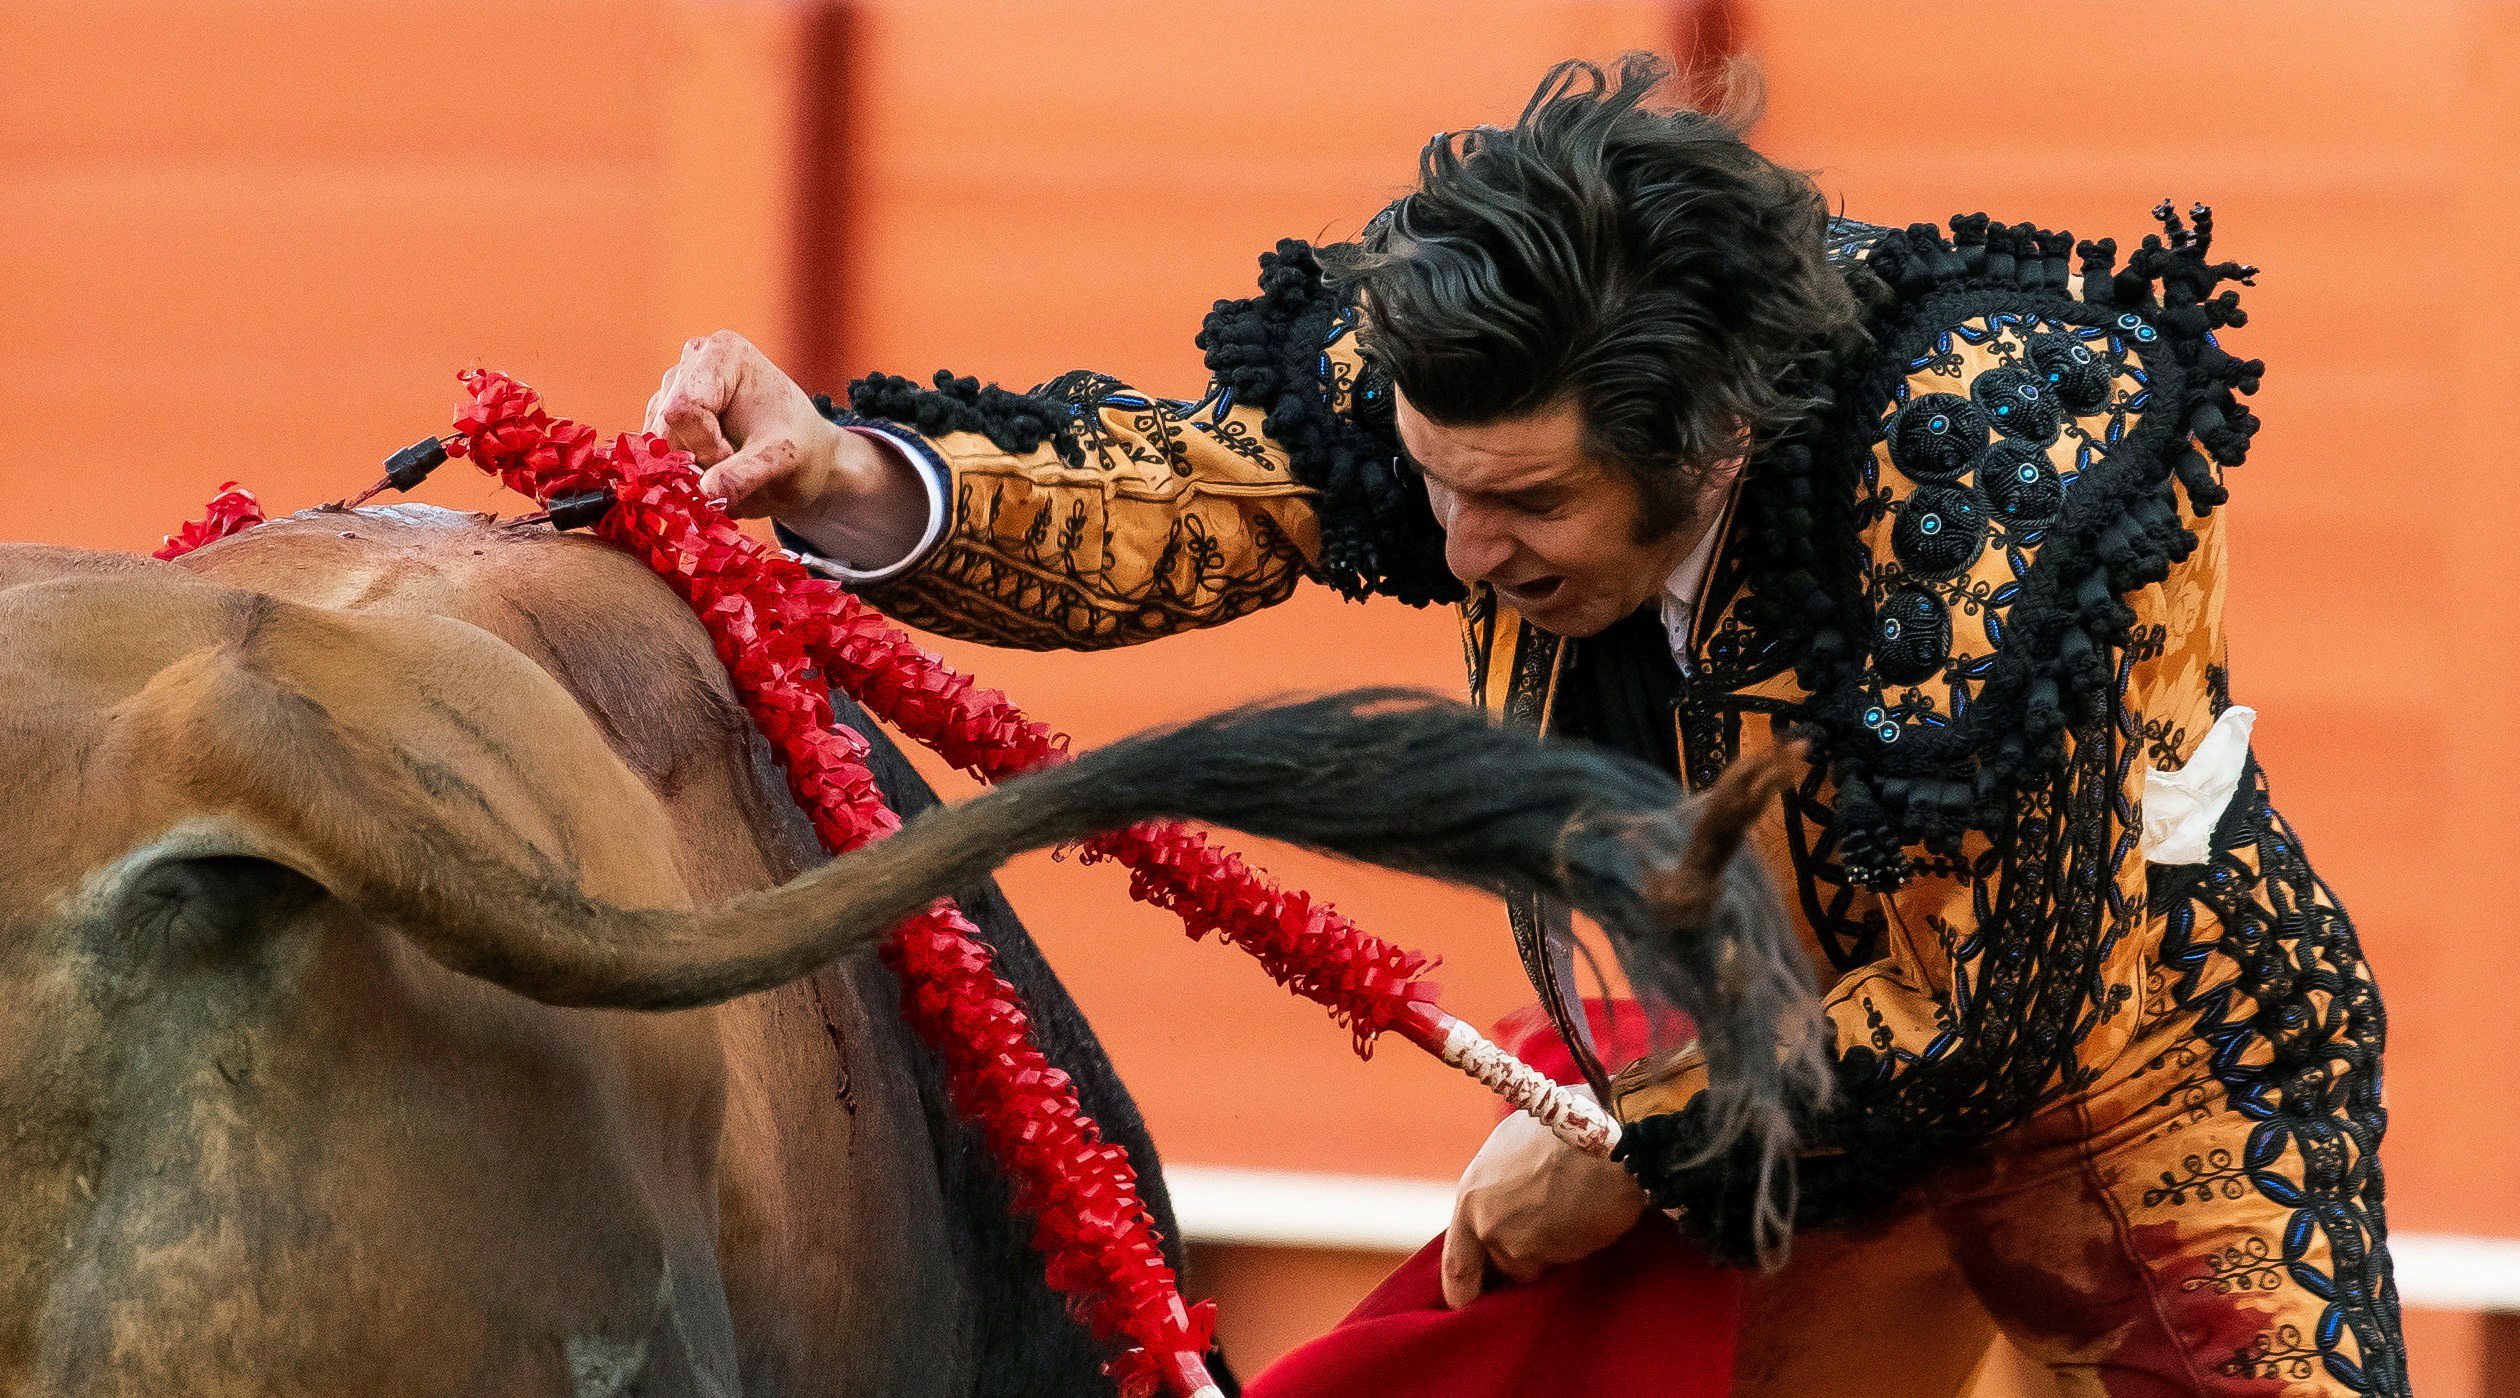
(401, 932)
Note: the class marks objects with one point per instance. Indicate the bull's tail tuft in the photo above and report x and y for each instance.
(1403, 780)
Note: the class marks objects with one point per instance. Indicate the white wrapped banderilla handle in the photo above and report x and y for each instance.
(1575, 1118)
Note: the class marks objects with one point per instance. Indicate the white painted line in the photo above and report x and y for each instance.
(2457, 1272)
(1379, 1213)
(1288, 1208)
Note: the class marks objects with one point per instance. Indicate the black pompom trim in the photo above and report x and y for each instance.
(1377, 533)
(1011, 421)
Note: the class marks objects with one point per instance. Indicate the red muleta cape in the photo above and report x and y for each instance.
(1646, 1317)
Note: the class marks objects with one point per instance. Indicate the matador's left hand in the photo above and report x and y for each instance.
(1530, 1202)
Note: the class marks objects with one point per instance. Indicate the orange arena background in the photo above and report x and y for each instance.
(256, 240)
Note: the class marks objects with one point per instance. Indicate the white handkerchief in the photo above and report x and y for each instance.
(2182, 807)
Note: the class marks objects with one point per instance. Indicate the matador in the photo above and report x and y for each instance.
(1706, 469)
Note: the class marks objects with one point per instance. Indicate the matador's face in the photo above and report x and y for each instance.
(1527, 507)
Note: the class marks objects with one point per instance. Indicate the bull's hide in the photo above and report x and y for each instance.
(255, 1143)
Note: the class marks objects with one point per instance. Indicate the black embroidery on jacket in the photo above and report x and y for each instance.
(2026, 745)
(2264, 956)
(1378, 535)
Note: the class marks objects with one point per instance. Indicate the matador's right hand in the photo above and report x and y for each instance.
(765, 449)
(762, 446)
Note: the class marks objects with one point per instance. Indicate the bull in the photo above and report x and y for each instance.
(418, 982)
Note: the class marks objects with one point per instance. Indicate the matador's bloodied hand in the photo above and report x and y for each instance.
(765, 449)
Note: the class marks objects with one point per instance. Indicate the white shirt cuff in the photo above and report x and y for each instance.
(2182, 807)
(827, 542)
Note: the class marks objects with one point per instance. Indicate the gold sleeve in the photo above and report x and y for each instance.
(1134, 518)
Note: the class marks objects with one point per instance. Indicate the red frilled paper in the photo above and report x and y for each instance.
(1367, 984)
(232, 509)
(774, 626)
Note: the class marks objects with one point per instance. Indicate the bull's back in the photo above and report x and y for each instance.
(613, 636)
(831, 1235)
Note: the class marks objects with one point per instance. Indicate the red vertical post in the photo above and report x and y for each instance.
(828, 194)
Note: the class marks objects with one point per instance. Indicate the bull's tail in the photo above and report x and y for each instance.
(1393, 778)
